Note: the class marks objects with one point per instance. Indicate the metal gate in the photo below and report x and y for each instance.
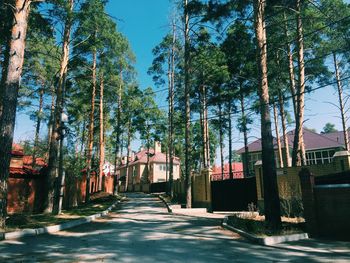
(233, 195)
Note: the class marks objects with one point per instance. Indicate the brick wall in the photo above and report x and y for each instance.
(25, 194)
(289, 182)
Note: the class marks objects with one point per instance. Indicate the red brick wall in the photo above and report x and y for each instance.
(108, 182)
(25, 194)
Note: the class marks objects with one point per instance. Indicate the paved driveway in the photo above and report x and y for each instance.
(141, 230)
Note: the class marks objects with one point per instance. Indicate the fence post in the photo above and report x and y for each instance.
(307, 181)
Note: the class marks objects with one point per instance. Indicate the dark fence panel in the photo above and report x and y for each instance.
(337, 178)
(233, 195)
(158, 187)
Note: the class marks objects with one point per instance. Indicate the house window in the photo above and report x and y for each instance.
(252, 159)
(319, 157)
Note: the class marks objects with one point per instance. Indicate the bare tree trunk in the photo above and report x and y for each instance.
(206, 129)
(221, 139)
(82, 143)
(56, 128)
(245, 137)
(290, 67)
(117, 145)
(271, 198)
(341, 103)
(284, 129)
(127, 157)
(13, 63)
(230, 140)
(299, 158)
(102, 141)
(38, 123)
(50, 122)
(279, 147)
(203, 126)
(91, 129)
(188, 179)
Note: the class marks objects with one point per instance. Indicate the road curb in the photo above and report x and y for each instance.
(54, 228)
(266, 241)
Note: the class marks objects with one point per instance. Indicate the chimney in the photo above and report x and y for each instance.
(157, 147)
(132, 156)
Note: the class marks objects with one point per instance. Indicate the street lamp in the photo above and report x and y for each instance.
(61, 173)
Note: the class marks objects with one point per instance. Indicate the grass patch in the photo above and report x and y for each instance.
(255, 225)
(98, 204)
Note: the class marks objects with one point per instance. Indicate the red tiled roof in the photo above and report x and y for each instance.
(312, 141)
(28, 160)
(141, 157)
(25, 170)
(236, 167)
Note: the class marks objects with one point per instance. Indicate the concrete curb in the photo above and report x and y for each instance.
(266, 241)
(54, 228)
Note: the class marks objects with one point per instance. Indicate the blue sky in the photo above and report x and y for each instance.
(144, 23)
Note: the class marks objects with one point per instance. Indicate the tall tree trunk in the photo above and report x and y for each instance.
(271, 198)
(188, 179)
(117, 144)
(299, 158)
(53, 165)
(13, 63)
(82, 143)
(171, 117)
(221, 139)
(230, 140)
(245, 136)
(290, 66)
(203, 128)
(50, 122)
(279, 147)
(341, 103)
(38, 123)
(102, 141)
(206, 129)
(284, 129)
(127, 157)
(91, 129)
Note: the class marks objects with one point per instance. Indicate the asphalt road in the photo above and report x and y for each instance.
(141, 230)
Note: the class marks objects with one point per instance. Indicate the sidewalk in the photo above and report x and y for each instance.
(310, 245)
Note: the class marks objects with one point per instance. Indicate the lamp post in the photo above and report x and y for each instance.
(61, 173)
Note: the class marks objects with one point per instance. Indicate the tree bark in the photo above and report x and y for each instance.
(284, 129)
(230, 140)
(299, 158)
(171, 114)
(188, 179)
(245, 136)
(117, 144)
(271, 198)
(38, 123)
(50, 122)
(290, 67)
(279, 147)
(221, 139)
(127, 157)
(102, 141)
(341, 103)
(52, 174)
(11, 77)
(91, 129)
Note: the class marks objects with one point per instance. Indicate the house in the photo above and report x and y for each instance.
(319, 149)
(158, 167)
(237, 170)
